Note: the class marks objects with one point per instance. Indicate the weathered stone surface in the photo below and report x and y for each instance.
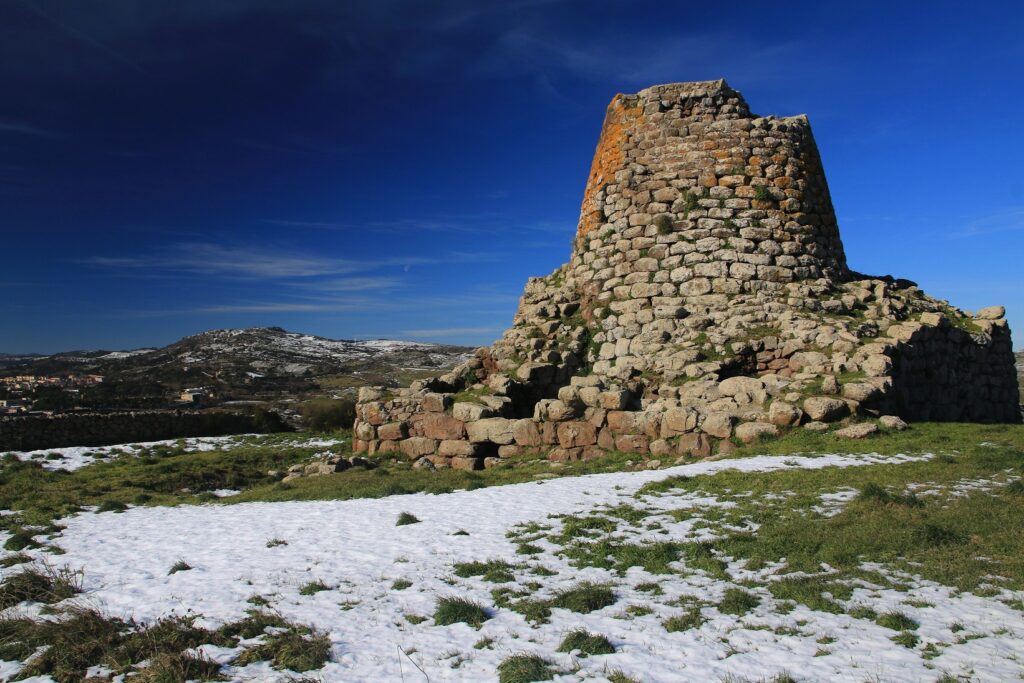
(467, 463)
(825, 409)
(857, 431)
(707, 277)
(458, 447)
(416, 446)
(677, 421)
(695, 445)
(784, 414)
(718, 425)
(494, 429)
(441, 426)
(991, 313)
(892, 422)
(470, 412)
(574, 434)
(526, 433)
(749, 432)
(816, 427)
(393, 431)
(632, 443)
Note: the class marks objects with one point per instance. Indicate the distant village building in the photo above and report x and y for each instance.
(197, 395)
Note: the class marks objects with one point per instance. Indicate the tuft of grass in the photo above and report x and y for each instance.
(179, 566)
(294, 648)
(584, 598)
(738, 602)
(525, 668)
(809, 591)
(406, 518)
(171, 668)
(20, 540)
(937, 535)
(495, 571)
(617, 676)
(684, 622)
(875, 493)
(1015, 487)
(907, 639)
(453, 610)
(275, 542)
(483, 644)
(11, 560)
(586, 643)
(400, 584)
(39, 584)
(897, 621)
(111, 506)
(314, 587)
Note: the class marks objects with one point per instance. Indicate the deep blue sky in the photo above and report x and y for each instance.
(398, 169)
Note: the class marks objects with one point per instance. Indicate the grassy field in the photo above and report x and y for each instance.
(812, 557)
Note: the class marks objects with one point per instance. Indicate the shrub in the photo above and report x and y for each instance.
(525, 668)
(268, 421)
(935, 535)
(586, 643)
(452, 610)
(328, 415)
(407, 518)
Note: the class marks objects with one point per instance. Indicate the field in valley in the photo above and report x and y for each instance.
(897, 558)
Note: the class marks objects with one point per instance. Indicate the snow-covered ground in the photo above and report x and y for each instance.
(74, 457)
(355, 548)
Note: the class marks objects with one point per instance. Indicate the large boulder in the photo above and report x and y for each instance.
(493, 429)
(749, 432)
(784, 414)
(825, 409)
(576, 434)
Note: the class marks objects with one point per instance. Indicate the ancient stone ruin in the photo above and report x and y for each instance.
(707, 302)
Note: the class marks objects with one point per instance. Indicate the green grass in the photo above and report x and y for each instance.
(453, 610)
(79, 638)
(314, 587)
(43, 584)
(586, 643)
(295, 648)
(584, 597)
(691, 619)
(407, 518)
(939, 539)
(179, 566)
(525, 668)
(738, 602)
(400, 584)
(495, 571)
(897, 621)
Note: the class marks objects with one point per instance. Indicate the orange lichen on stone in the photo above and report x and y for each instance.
(620, 119)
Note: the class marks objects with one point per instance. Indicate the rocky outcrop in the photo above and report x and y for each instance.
(707, 298)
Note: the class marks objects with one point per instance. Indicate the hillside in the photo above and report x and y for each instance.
(257, 361)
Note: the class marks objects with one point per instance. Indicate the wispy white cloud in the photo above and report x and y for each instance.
(246, 263)
(1005, 220)
(25, 129)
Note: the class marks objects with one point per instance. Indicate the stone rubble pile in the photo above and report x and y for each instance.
(707, 303)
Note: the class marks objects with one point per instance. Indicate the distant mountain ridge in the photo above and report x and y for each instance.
(250, 356)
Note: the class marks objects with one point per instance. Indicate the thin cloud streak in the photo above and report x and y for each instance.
(25, 129)
(1007, 220)
(247, 263)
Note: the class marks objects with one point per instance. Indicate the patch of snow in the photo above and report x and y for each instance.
(355, 547)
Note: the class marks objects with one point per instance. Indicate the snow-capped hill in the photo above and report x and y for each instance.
(262, 356)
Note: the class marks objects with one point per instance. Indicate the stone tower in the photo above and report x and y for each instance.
(707, 300)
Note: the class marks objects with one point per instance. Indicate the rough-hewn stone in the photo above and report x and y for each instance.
(707, 287)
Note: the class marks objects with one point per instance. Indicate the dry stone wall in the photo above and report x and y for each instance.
(707, 302)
